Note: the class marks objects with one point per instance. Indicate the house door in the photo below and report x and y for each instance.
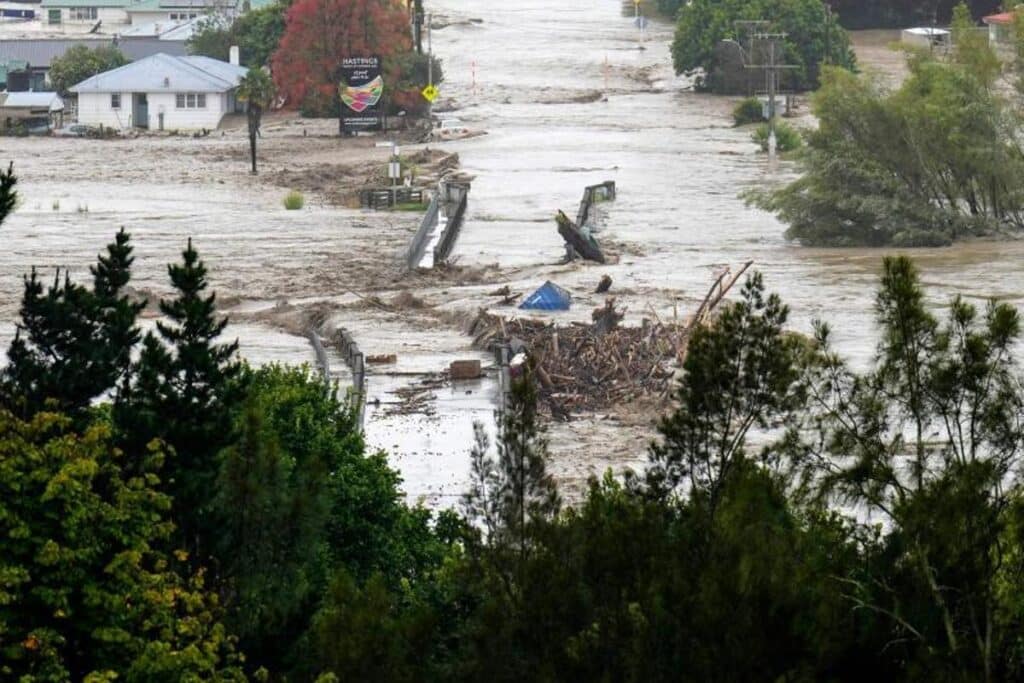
(140, 110)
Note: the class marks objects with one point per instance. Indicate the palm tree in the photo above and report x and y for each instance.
(256, 89)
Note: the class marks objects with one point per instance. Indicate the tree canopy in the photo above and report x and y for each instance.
(812, 39)
(937, 159)
(318, 33)
(860, 14)
(257, 34)
(80, 62)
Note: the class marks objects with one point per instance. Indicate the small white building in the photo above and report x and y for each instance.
(1000, 28)
(162, 93)
(84, 14)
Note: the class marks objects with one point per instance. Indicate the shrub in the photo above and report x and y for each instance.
(293, 201)
(749, 110)
(787, 138)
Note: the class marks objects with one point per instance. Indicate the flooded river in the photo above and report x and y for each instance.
(567, 98)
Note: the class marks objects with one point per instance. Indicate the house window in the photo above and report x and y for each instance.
(115, 100)
(83, 13)
(53, 16)
(190, 100)
(182, 16)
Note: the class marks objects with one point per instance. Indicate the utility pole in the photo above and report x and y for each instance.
(416, 17)
(430, 65)
(769, 44)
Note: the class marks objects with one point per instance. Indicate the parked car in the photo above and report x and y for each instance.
(73, 130)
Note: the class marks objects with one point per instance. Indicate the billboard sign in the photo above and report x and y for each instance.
(361, 89)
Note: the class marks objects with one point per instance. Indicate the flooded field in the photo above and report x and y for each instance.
(594, 104)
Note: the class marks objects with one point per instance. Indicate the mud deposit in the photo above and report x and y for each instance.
(568, 98)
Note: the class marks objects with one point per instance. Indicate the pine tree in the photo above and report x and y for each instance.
(117, 313)
(8, 197)
(511, 494)
(72, 344)
(184, 386)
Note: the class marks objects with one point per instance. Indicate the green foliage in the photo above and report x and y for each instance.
(256, 33)
(813, 38)
(787, 137)
(929, 440)
(670, 8)
(933, 161)
(749, 110)
(8, 197)
(73, 343)
(739, 374)
(293, 201)
(85, 594)
(512, 493)
(183, 386)
(861, 14)
(80, 62)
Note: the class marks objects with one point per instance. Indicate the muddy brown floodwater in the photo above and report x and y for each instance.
(568, 96)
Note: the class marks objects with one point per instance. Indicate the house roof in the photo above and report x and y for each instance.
(39, 52)
(164, 73)
(198, 5)
(163, 30)
(57, 4)
(1002, 19)
(32, 100)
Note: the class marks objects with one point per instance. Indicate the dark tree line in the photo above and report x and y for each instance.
(170, 514)
(860, 14)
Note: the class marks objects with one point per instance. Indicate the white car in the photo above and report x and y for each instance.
(451, 129)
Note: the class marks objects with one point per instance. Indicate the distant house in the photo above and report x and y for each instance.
(1000, 28)
(15, 75)
(161, 92)
(30, 109)
(162, 11)
(85, 12)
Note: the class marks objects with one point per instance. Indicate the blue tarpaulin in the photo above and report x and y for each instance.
(550, 297)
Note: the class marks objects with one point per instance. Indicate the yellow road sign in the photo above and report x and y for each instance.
(430, 93)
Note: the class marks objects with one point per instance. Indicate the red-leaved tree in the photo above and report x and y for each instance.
(319, 33)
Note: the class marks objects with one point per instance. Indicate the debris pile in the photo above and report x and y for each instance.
(591, 367)
(582, 367)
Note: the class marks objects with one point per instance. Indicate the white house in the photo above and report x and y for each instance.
(161, 92)
(84, 14)
(159, 11)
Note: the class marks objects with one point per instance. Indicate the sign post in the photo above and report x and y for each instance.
(361, 89)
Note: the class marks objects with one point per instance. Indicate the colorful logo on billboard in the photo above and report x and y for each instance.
(362, 92)
(359, 98)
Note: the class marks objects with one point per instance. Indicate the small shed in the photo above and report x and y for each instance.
(1000, 28)
(31, 109)
(926, 38)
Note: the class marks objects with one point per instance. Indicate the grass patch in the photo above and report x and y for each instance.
(293, 201)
